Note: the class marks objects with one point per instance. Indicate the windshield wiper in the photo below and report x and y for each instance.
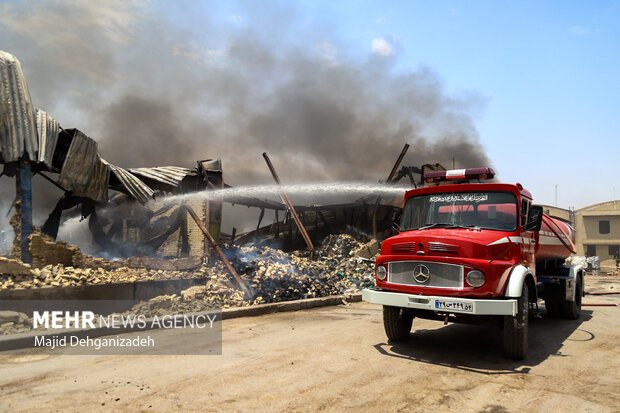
(464, 226)
(447, 225)
(436, 225)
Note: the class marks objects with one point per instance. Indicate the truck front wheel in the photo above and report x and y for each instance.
(515, 328)
(397, 323)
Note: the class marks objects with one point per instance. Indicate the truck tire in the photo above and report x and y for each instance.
(397, 323)
(572, 309)
(515, 328)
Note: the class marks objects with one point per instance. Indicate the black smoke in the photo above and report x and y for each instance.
(154, 89)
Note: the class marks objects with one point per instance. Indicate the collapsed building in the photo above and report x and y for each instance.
(115, 199)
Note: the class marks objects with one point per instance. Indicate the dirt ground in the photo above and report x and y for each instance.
(338, 359)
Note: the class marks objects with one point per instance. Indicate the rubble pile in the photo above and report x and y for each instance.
(341, 265)
(61, 276)
(13, 322)
(218, 293)
(274, 275)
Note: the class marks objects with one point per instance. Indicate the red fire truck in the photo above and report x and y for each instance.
(469, 251)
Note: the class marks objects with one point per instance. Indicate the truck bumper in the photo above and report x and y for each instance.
(441, 304)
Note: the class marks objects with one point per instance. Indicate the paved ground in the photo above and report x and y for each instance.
(337, 359)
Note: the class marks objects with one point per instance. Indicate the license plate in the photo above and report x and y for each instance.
(454, 306)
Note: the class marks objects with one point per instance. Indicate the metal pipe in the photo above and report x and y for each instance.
(387, 181)
(289, 204)
(397, 164)
(227, 263)
(604, 293)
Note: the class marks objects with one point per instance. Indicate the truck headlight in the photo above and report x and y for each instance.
(475, 278)
(381, 272)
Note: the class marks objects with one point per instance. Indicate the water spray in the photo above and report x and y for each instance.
(329, 188)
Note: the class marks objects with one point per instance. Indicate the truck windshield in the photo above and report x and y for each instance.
(484, 210)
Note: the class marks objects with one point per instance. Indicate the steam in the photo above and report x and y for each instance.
(76, 232)
(159, 90)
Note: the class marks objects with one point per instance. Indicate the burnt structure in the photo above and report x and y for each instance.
(32, 142)
(115, 200)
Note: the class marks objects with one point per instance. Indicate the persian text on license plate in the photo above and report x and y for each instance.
(454, 305)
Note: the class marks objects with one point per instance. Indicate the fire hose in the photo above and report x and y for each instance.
(602, 304)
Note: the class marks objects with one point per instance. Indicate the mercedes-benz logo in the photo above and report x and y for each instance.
(421, 273)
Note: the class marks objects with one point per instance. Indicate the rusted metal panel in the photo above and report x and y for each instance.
(47, 130)
(133, 186)
(210, 165)
(79, 164)
(170, 175)
(97, 187)
(18, 127)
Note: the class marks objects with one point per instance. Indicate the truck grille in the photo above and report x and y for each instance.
(441, 247)
(439, 274)
(403, 248)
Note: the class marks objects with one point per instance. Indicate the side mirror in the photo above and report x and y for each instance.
(396, 216)
(534, 219)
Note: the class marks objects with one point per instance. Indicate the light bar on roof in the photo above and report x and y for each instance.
(460, 175)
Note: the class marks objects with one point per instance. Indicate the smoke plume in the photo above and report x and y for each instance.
(156, 87)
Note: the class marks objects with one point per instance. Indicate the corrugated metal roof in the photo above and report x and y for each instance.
(79, 164)
(18, 132)
(97, 187)
(48, 130)
(134, 186)
(170, 175)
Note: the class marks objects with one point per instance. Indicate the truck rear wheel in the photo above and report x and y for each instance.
(397, 323)
(572, 309)
(515, 328)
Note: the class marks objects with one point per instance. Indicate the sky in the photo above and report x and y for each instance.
(334, 89)
(548, 74)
